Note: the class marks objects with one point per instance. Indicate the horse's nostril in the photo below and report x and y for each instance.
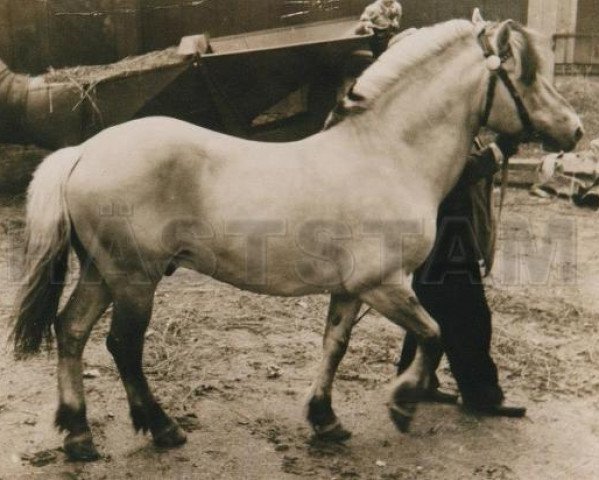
(579, 133)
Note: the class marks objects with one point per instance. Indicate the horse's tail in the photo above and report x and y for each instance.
(48, 233)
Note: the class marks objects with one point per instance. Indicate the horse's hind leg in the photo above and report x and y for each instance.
(400, 305)
(131, 316)
(340, 321)
(73, 327)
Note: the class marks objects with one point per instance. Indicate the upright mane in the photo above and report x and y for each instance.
(530, 58)
(400, 57)
(408, 53)
(414, 49)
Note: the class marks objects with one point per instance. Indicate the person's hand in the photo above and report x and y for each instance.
(482, 166)
(365, 28)
(508, 144)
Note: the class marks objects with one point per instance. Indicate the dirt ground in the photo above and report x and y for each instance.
(235, 369)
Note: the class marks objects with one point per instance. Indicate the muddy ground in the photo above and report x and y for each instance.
(235, 368)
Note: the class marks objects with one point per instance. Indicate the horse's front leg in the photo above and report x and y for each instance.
(399, 304)
(340, 321)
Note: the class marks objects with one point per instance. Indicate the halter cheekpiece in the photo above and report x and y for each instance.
(494, 62)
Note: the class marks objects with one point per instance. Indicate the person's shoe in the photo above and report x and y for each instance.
(440, 395)
(497, 410)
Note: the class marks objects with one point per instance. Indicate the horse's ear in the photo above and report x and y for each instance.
(477, 17)
(507, 44)
(502, 37)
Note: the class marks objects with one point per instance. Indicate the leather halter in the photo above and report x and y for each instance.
(501, 73)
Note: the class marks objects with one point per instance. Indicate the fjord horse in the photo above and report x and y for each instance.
(349, 212)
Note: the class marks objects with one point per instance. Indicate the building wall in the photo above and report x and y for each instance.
(543, 15)
(36, 34)
(418, 13)
(575, 27)
(587, 28)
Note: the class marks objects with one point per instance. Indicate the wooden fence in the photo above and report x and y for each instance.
(576, 54)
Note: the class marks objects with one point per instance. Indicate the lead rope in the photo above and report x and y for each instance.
(366, 312)
(488, 52)
(504, 181)
(500, 73)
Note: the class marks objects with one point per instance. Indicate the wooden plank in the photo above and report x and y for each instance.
(118, 100)
(320, 32)
(165, 21)
(276, 62)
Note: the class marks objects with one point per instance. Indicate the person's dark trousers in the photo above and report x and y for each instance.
(380, 40)
(449, 286)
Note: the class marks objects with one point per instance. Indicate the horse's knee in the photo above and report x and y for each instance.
(71, 341)
(427, 329)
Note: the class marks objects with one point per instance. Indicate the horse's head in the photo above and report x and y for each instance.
(520, 98)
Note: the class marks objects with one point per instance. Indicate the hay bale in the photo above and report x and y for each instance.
(17, 164)
(91, 74)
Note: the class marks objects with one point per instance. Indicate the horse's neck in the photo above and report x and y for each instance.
(427, 122)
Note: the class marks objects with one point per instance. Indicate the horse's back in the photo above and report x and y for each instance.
(157, 154)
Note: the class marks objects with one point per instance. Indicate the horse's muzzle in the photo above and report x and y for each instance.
(551, 144)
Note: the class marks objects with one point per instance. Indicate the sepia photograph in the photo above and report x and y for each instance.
(299, 239)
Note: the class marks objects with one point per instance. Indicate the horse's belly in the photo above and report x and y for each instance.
(294, 265)
(265, 269)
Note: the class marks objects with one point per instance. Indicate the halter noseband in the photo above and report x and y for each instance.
(497, 71)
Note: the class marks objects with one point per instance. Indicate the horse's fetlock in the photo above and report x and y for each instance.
(139, 418)
(320, 411)
(149, 417)
(71, 419)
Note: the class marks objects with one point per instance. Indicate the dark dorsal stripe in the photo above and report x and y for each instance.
(353, 96)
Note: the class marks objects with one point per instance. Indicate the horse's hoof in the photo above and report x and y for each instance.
(402, 415)
(333, 432)
(81, 448)
(172, 436)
